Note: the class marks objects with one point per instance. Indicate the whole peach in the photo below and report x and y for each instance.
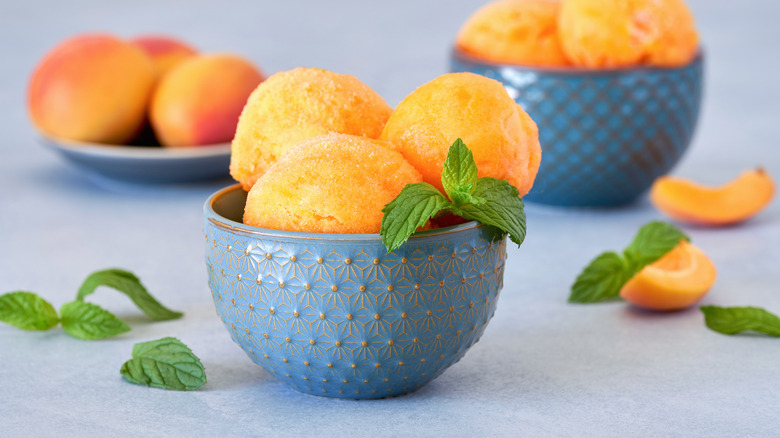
(166, 52)
(92, 88)
(198, 102)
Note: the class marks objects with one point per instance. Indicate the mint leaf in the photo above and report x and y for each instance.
(88, 321)
(609, 272)
(165, 363)
(460, 171)
(27, 311)
(733, 320)
(460, 198)
(652, 242)
(601, 280)
(127, 283)
(411, 209)
(502, 208)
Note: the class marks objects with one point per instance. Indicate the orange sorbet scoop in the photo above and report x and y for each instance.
(295, 105)
(476, 109)
(514, 32)
(335, 183)
(622, 33)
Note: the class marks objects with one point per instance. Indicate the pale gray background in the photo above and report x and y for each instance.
(543, 368)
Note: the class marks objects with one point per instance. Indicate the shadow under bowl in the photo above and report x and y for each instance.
(336, 315)
(606, 135)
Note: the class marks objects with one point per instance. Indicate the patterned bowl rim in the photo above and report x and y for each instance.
(465, 58)
(220, 221)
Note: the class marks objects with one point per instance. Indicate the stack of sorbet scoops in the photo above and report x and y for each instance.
(322, 152)
(582, 33)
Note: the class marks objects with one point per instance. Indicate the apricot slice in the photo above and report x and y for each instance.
(733, 202)
(675, 281)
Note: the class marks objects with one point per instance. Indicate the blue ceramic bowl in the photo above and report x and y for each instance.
(606, 135)
(336, 315)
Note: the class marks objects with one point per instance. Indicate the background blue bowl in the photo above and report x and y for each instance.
(606, 135)
(336, 315)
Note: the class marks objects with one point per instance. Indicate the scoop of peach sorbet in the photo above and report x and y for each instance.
(295, 105)
(515, 32)
(476, 109)
(622, 33)
(335, 183)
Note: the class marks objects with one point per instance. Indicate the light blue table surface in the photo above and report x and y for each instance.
(543, 367)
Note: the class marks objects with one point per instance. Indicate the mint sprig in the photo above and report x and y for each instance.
(603, 278)
(165, 363)
(80, 319)
(493, 202)
(127, 283)
(89, 321)
(27, 311)
(733, 320)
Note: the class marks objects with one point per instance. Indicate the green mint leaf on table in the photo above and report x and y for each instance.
(501, 208)
(652, 242)
(127, 283)
(27, 311)
(411, 209)
(165, 363)
(733, 320)
(601, 280)
(460, 172)
(88, 321)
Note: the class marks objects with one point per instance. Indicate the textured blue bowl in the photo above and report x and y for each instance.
(336, 315)
(606, 135)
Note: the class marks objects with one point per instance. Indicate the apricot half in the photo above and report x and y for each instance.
(675, 281)
(733, 202)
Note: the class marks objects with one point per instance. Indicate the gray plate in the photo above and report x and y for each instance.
(146, 164)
